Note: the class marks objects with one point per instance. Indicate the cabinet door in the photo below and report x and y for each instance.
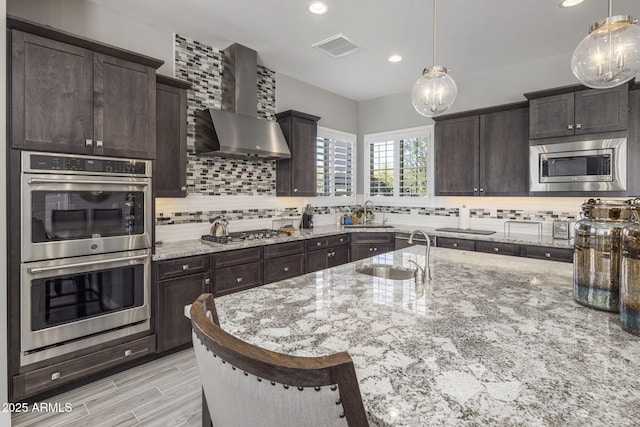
(297, 176)
(551, 116)
(504, 153)
(364, 251)
(456, 156)
(552, 254)
(601, 110)
(171, 142)
(172, 327)
(339, 256)
(317, 260)
(51, 95)
(125, 107)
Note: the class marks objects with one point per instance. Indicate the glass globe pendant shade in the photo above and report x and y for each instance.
(434, 92)
(610, 55)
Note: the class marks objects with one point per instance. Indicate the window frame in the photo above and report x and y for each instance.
(333, 200)
(396, 136)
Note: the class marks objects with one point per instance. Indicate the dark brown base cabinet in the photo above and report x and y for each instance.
(364, 245)
(283, 261)
(56, 375)
(502, 248)
(327, 252)
(179, 282)
(237, 270)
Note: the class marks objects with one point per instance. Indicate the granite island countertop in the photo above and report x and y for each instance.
(191, 247)
(491, 340)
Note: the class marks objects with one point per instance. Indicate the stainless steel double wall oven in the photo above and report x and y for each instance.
(85, 252)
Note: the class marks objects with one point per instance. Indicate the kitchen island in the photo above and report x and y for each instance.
(491, 340)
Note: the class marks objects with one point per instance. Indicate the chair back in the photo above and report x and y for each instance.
(245, 385)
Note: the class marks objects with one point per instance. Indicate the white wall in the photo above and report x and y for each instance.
(5, 417)
(336, 112)
(91, 21)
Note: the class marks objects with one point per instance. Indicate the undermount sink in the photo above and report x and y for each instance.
(387, 271)
(368, 226)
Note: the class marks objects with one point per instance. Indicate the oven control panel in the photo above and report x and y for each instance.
(62, 163)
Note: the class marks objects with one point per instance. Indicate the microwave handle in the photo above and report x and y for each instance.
(84, 264)
(80, 181)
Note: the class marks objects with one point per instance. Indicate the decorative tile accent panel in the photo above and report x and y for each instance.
(171, 218)
(202, 66)
(437, 211)
(523, 215)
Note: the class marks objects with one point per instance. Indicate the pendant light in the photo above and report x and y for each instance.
(610, 55)
(435, 91)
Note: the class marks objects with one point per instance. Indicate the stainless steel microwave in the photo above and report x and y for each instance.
(595, 165)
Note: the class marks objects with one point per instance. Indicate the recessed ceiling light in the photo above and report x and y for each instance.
(569, 3)
(395, 58)
(318, 8)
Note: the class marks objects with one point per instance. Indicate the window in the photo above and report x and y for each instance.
(399, 164)
(335, 163)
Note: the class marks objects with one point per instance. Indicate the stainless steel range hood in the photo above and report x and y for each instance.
(236, 130)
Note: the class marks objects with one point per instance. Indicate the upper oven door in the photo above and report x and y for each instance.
(75, 215)
(597, 165)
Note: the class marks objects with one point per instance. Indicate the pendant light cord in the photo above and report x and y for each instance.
(434, 32)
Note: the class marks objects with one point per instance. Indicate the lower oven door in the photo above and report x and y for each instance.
(69, 304)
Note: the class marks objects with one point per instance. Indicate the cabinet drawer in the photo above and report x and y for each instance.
(364, 238)
(283, 268)
(498, 248)
(317, 243)
(42, 379)
(239, 256)
(236, 278)
(341, 239)
(282, 249)
(451, 243)
(552, 254)
(182, 266)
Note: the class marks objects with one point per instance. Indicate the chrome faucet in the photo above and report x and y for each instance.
(368, 202)
(423, 273)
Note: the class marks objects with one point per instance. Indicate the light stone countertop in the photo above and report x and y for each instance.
(184, 248)
(492, 340)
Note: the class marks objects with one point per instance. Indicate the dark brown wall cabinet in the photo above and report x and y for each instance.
(170, 179)
(577, 112)
(326, 252)
(297, 176)
(178, 283)
(483, 153)
(66, 97)
(364, 245)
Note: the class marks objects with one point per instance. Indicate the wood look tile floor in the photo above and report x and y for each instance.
(164, 392)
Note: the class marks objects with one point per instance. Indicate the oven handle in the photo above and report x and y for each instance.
(83, 181)
(84, 264)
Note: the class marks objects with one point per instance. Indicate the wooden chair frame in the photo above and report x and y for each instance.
(272, 366)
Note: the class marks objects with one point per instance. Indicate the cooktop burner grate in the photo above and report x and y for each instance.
(245, 235)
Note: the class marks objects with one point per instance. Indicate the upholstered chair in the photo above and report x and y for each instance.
(245, 385)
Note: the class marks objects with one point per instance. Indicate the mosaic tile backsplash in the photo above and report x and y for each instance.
(164, 218)
(202, 66)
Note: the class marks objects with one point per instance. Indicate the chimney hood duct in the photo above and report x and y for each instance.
(236, 130)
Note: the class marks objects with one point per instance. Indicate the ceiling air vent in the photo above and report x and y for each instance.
(337, 46)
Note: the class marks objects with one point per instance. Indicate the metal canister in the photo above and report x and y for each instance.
(630, 275)
(596, 258)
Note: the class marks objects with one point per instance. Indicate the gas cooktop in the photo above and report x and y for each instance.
(245, 235)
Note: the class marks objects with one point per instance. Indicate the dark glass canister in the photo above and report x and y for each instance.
(630, 276)
(596, 256)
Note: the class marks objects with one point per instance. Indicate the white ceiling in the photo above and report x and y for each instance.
(473, 35)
